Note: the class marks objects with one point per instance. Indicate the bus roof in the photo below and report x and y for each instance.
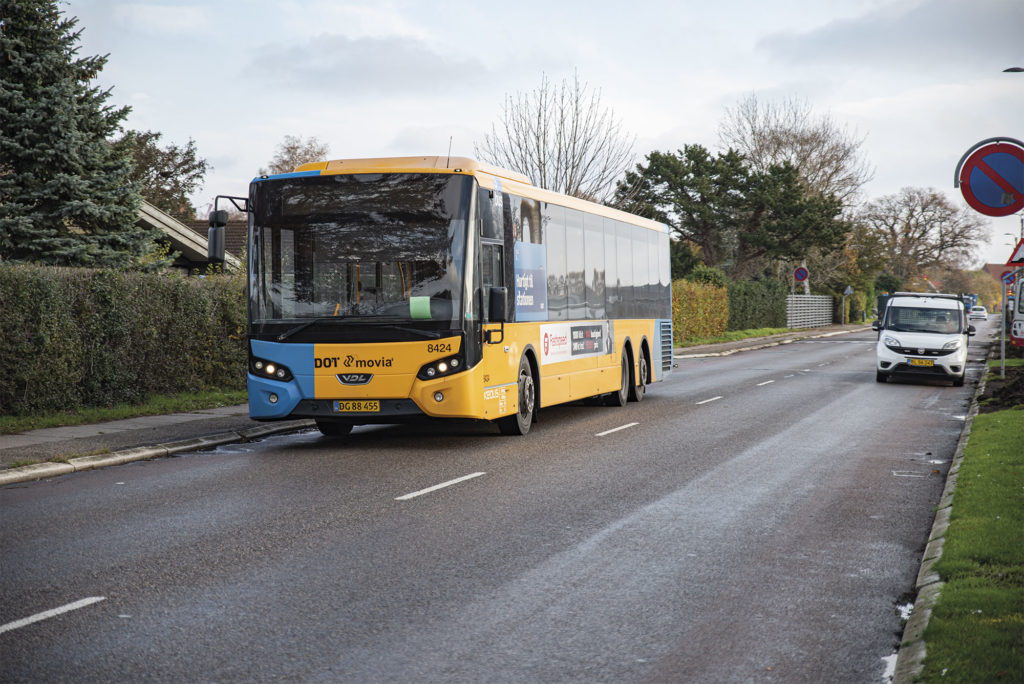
(412, 165)
(486, 174)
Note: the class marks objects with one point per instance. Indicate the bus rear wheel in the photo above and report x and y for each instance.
(620, 397)
(638, 389)
(333, 428)
(519, 422)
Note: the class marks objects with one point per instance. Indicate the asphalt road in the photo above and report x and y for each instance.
(758, 517)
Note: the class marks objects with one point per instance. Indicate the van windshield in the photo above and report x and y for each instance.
(924, 320)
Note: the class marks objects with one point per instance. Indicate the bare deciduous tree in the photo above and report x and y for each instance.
(918, 229)
(827, 156)
(562, 138)
(293, 151)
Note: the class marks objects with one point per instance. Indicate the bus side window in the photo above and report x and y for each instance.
(554, 243)
(531, 223)
(488, 211)
(492, 273)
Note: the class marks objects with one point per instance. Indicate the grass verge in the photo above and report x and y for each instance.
(734, 336)
(1010, 363)
(976, 631)
(155, 406)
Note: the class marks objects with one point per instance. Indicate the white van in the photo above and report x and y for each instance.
(924, 335)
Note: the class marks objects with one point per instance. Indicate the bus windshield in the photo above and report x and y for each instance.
(375, 248)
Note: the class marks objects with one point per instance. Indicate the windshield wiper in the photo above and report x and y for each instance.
(302, 326)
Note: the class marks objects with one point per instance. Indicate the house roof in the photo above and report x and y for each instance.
(184, 238)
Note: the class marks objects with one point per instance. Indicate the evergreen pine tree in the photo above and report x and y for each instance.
(66, 197)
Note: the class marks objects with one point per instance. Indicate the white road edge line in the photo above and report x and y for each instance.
(449, 483)
(708, 401)
(766, 382)
(18, 624)
(621, 427)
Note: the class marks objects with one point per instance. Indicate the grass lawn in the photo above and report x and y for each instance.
(155, 406)
(734, 336)
(976, 631)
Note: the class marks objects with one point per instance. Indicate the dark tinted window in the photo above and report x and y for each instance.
(624, 242)
(594, 265)
(575, 278)
(641, 272)
(611, 271)
(490, 217)
(531, 224)
(553, 222)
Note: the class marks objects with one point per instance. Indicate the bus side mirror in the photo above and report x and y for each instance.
(497, 305)
(215, 237)
(219, 218)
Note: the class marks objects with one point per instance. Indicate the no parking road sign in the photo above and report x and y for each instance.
(991, 176)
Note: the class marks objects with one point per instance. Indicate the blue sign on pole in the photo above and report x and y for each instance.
(800, 274)
(991, 176)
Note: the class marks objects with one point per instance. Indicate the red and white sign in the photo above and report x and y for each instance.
(991, 177)
(1017, 258)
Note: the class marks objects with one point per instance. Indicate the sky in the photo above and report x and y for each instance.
(920, 81)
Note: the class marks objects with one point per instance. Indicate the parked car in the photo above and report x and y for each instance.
(923, 335)
(978, 312)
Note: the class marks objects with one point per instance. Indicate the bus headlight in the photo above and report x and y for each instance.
(440, 368)
(269, 369)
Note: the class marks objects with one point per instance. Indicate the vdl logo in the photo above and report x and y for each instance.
(354, 378)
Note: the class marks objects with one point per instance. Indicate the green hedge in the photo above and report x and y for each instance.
(698, 310)
(74, 337)
(757, 304)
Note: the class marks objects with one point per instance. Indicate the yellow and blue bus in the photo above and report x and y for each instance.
(397, 289)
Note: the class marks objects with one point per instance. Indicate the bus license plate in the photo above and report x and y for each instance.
(357, 406)
(927, 363)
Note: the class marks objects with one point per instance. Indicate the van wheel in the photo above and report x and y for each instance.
(519, 422)
(881, 377)
(620, 397)
(958, 382)
(638, 389)
(333, 428)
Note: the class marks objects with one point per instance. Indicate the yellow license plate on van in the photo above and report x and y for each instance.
(357, 406)
(926, 363)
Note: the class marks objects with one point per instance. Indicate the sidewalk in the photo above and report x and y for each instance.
(61, 450)
(727, 348)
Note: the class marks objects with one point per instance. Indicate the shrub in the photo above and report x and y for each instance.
(698, 310)
(709, 275)
(757, 304)
(74, 337)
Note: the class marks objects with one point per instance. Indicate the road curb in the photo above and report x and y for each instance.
(42, 471)
(912, 651)
(765, 345)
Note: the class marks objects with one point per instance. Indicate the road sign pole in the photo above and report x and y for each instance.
(1012, 275)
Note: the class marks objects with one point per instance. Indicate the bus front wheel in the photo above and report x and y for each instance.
(519, 422)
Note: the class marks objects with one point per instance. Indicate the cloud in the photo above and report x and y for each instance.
(163, 19)
(932, 36)
(340, 66)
